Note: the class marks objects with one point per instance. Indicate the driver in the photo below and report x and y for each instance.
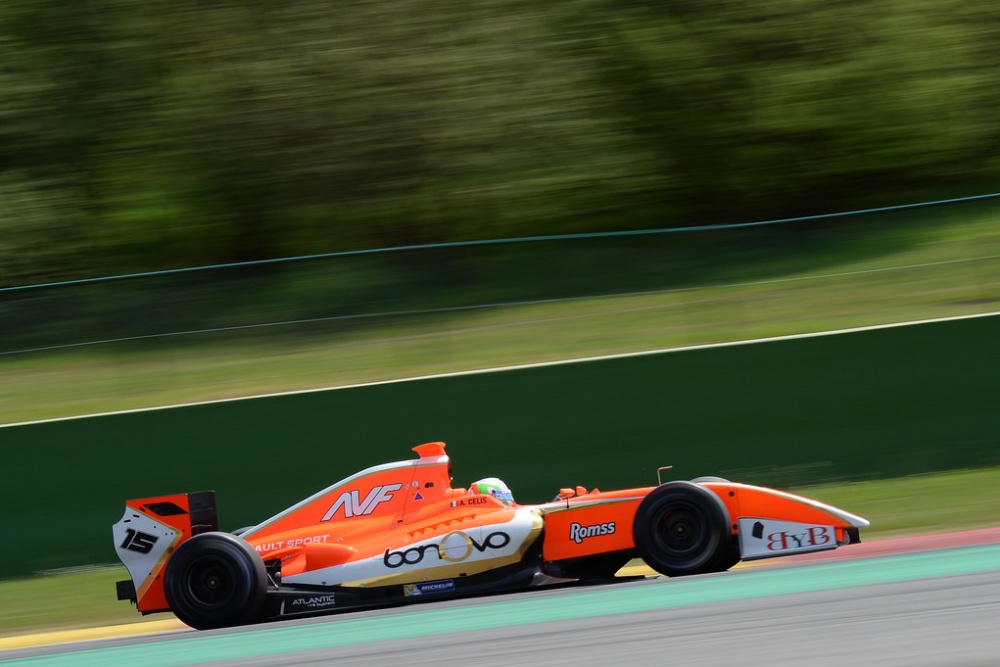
(492, 486)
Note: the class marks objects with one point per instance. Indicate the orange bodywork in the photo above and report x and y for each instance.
(402, 524)
(150, 531)
(744, 500)
(588, 524)
(372, 527)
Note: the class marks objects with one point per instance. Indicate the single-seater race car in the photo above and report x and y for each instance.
(399, 532)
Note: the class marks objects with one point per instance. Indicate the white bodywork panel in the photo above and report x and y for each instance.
(463, 551)
(142, 543)
(763, 538)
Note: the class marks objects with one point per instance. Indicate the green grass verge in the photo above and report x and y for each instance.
(930, 503)
(908, 506)
(951, 269)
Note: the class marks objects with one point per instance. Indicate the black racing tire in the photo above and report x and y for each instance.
(215, 580)
(727, 559)
(682, 528)
(732, 555)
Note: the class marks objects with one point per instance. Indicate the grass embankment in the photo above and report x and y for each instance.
(908, 506)
(893, 275)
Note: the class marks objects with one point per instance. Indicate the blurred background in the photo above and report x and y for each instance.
(212, 200)
(151, 136)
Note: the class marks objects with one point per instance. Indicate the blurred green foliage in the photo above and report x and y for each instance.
(149, 134)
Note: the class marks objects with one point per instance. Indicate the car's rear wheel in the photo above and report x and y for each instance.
(215, 580)
(682, 528)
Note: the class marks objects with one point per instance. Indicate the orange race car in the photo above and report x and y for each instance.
(399, 532)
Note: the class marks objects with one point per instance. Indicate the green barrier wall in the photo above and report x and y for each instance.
(879, 403)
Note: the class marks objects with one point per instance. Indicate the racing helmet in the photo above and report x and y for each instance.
(492, 486)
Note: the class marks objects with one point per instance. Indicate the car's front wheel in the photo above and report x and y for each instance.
(215, 580)
(682, 528)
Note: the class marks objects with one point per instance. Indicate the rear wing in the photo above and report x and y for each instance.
(149, 532)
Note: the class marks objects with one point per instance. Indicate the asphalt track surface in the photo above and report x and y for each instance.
(919, 608)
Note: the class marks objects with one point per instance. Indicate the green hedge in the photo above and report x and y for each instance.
(881, 403)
